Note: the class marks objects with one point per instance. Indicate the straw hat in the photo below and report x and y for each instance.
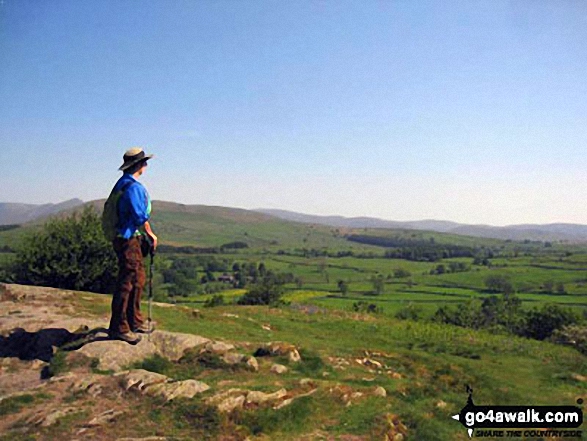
(133, 156)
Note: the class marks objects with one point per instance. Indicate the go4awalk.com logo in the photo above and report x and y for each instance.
(520, 421)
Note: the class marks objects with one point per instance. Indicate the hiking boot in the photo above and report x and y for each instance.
(144, 328)
(128, 337)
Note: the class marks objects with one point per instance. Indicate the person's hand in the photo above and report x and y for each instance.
(153, 240)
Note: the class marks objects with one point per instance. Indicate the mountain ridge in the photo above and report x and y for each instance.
(16, 213)
(544, 232)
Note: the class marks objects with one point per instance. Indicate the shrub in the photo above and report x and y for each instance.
(409, 312)
(499, 283)
(467, 315)
(69, 253)
(400, 273)
(266, 292)
(364, 307)
(541, 323)
(216, 300)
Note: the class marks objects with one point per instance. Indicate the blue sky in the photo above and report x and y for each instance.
(470, 111)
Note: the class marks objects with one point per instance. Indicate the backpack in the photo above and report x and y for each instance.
(110, 213)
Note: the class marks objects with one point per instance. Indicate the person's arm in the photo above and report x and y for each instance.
(150, 233)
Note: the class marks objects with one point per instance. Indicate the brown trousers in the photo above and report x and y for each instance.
(126, 302)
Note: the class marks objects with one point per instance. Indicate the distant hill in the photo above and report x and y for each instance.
(14, 213)
(213, 225)
(548, 232)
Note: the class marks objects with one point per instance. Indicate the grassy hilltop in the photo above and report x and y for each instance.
(373, 330)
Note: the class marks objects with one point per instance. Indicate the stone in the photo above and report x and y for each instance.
(51, 418)
(294, 356)
(397, 431)
(370, 363)
(89, 384)
(178, 389)
(257, 397)
(253, 364)
(231, 403)
(578, 377)
(218, 347)
(232, 358)
(229, 400)
(307, 382)
(149, 438)
(380, 392)
(279, 369)
(158, 385)
(114, 355)
(173, 345)
(140, 379)
(276, 349)
(105, 417)
(283, 404)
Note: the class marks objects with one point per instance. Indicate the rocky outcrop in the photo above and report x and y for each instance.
(232, 399)
(279, 348)
(173, 345)
(117, 355)
(157, 385)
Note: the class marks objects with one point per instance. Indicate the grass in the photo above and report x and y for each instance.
(421, 363)
(15, 404)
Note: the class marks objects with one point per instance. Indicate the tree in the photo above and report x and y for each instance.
(267, 291)
(541, 323)
(343, 287)
(400, 273)
(68, 253)
(548, 286)
(378, 284)
(499, 283)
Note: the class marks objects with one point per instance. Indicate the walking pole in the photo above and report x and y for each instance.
(149, 319)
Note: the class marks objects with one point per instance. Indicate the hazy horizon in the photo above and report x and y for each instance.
(470, 112)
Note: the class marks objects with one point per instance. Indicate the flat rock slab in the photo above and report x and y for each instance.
(178, 389)
(153, 384)
(257, 397)
(115, 355)
(172, 345)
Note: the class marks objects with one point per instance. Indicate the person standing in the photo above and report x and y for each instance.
(134, 212)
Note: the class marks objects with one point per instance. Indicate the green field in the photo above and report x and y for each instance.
(433, 361)
(539, 272)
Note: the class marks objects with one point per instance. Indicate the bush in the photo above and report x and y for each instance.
(368, 308)
(499, 283)
(216, 300)
(409, 312)
(541, 323)
(266, 292)
(400, 273)
(69, 253)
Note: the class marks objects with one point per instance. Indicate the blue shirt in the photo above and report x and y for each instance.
(134, 206)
